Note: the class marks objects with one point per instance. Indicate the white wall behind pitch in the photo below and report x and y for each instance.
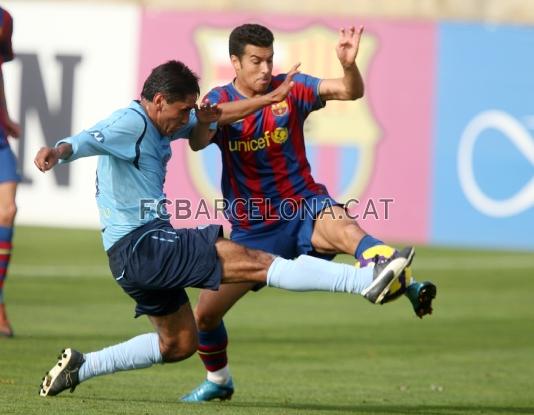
(107, 38)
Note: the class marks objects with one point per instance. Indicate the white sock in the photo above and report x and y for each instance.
(307, 273)
(137, 353)
(220, 377)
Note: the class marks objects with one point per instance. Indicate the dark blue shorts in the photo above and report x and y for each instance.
(8, 165)
(288, 238)
(155, 263)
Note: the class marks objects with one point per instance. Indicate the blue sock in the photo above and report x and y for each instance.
(6, 233)
(137, 353)
(365, 243)
(6, 236)
(307, 273)
(212, 348)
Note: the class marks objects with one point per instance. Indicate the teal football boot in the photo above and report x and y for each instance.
(208, 391)
(421, 295)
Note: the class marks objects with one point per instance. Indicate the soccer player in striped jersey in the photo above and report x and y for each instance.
(153, 262)
(8, 170)
(267, 178)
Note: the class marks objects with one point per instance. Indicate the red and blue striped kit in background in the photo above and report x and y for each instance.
(7, 166)
(6, 31)
(6, 54)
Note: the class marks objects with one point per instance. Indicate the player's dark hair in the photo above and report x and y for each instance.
(174, 80)
(249, 34)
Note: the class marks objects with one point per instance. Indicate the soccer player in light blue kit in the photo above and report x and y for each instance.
(152, 261)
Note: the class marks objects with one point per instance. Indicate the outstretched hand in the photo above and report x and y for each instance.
(208, 113)
(348, 45)
(46, 158)
(280, 93)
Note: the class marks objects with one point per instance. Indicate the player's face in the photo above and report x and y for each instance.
(173, 116)
(254, 69)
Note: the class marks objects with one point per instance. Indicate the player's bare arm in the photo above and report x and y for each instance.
(201, 135)
(48, 157)
(350, 86)
(236, 110)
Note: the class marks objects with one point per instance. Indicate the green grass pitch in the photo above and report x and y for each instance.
(290, 353)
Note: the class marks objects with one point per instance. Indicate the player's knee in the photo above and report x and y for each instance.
(262, 258)
(351, 232)
(176, 350)
(8, 212)
(207, 320)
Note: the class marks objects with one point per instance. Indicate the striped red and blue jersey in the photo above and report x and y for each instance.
(6, 54)
(265, 167)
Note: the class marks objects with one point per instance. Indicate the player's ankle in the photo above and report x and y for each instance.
(221, 376)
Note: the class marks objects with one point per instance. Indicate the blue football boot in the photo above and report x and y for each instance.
(208, 391)
(421, 295)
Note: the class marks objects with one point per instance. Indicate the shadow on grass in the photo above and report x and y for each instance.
(362, 409)
(388, 408)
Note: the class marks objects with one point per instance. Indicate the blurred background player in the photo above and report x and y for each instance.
(8, 170)
(264, 159)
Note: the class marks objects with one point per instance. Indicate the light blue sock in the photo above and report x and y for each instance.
(307, 273)
(137, 353)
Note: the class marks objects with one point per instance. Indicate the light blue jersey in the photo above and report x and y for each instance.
(132, 164)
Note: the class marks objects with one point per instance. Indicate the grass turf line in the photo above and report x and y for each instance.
(290, 353)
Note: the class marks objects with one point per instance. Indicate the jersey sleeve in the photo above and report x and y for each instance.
(306, 93)
(118, 136)
(186, 130)
(6, 31)
(217, 96)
